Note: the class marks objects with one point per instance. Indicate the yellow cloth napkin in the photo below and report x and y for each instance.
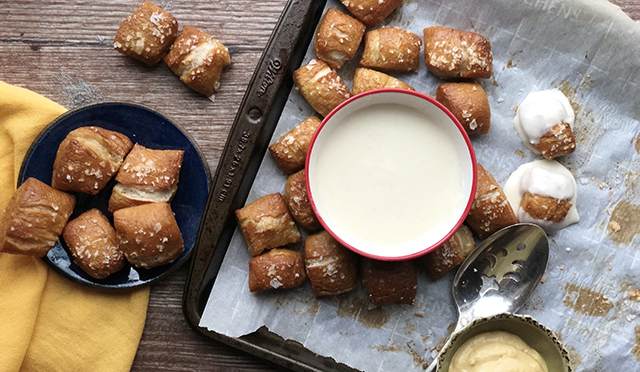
(48, 323)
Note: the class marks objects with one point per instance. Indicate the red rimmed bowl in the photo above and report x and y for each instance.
(391, 174)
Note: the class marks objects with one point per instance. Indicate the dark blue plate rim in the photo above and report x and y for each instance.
(96, 283)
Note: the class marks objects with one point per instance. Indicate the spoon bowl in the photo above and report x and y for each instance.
(501, 273)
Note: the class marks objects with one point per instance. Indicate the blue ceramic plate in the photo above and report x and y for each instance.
(151, 130)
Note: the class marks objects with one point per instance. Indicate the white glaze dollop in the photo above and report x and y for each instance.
(547, 178)
(539, 113)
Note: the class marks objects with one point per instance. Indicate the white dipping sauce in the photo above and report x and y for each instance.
(540, 112)
(546, 178)
(387, 175)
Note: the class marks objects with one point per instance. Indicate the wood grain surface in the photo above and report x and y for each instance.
(63, 50)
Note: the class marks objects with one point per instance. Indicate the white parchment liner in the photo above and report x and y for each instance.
(589, 50)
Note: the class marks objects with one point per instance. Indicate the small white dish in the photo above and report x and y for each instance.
(391, 174)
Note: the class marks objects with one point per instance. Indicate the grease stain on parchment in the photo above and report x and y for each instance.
(632, 185)
(511, 63)
(624, 223)
(308, 306)
(443, 340)
(387, 348)
(280, 303)
(574, 356)
(418, 361)
(519, 153)
(358, 309)
(636, 349)
(409, 327)
(77, 91)
(636, 144)
(586, 301)
(440, 345)
(569, 91)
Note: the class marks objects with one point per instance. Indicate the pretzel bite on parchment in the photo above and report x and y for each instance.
(321, 86)
(451, 53)
(331, 268)
(371, 12)
(391, 49)
(147, 34)
(297, 199)
(266, 223)
(490, 210)
(449, 255)
(338, 37)
(290, 151)
(468, 103)
(388, 282)
(278, 268)
(366, 79)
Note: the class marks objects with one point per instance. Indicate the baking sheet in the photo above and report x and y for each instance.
(588, 50)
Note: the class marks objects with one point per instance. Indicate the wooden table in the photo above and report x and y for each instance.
(63, 50)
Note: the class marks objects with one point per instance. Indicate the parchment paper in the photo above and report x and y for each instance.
(589, 50)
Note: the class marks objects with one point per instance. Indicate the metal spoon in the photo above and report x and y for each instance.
(500, 274)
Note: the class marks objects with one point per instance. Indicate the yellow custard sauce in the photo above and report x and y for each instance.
(497, 352)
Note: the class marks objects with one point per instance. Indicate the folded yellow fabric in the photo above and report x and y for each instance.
(48, 323)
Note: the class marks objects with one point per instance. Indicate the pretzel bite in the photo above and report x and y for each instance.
(87, 159)
(338, 37)
(290, 151)
(371, 12)
(450, 254)
(34, 218)
(147, 176)
(450, 53)
(387, 282)
(468, 103)
(295, 195)
(547, 208)
(148, 234)
(321, 86)
(543, 122)
(278, 268)
(557, 142)
(147, 34)
(198, 59)
(331, 268)
(490, 210)
(266, 223)
(92, 242)
(391, 49)
(365, 80)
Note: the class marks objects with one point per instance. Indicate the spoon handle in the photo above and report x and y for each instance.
(433, 366)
